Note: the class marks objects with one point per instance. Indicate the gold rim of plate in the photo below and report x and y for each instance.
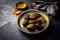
(43, 13)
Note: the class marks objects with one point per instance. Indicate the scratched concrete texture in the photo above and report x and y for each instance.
(10, 31)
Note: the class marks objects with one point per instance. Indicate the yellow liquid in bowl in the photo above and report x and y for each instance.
(21, 6)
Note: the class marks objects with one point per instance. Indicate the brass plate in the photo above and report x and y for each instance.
(32, 10)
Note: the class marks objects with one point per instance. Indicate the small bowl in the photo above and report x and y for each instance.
(32, 10)
(21, 6)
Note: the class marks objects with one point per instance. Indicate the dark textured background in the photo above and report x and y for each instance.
(11, 32)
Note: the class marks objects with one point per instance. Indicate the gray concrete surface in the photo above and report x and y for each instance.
(10, 31)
